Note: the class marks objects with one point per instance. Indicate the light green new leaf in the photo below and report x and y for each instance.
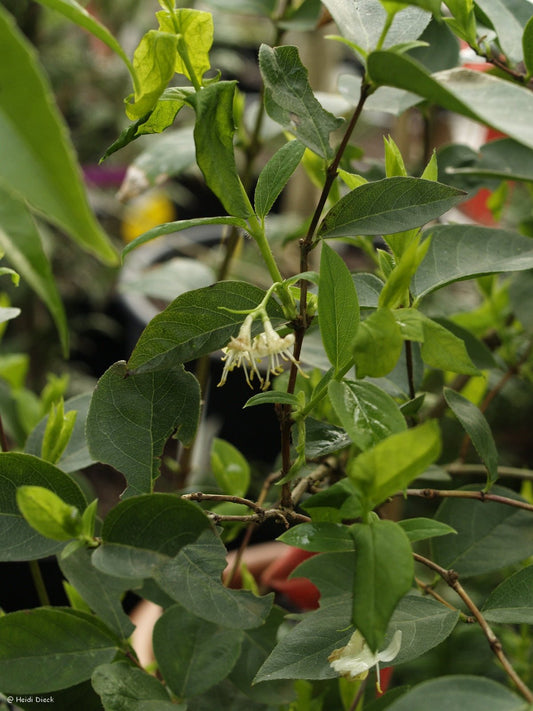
(477, 95)
(474, 693)
(490, 536)
(512, 601)
(192, 654)
(18, 540)
(395, 293)
(195, 36)
(133, 414)
(367, 413)
(230, 468)
(272, 397)
(38, 161)
(388, 206)
(275, 175)
(193, 578)
(463, 251)
(79, 15)
(48, 514)
(213, 137)
(47, 649)
(384, 571)
(195, 324)
(289, 99)
(507, 27)
(378, 344)
(393, 463)
(21, 242)
(154, 62)
(338, 309)
(440, 348)
(124, 686)
(477, 428)
(103, 593)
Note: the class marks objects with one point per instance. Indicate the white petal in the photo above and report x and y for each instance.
(390, 652)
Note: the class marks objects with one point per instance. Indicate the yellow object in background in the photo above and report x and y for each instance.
(144, 212)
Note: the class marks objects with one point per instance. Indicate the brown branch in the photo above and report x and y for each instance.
(200, 496)
(462, 494)
(452, 579)
(307, 483)
(286, 517)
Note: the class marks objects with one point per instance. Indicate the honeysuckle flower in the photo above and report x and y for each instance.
(356, 659)
(239, 353)
(269, 344)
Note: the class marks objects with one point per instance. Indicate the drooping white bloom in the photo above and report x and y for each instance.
(356, 659)
(245, 353)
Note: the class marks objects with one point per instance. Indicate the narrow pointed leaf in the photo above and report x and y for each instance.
(289, 100)
(133, 414)
(338, 309)
(388, 206)
(477, 428)
(38, 160)
(507, 27)
(275, 175)
(477, 95)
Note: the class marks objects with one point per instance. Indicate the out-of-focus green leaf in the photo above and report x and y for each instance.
(512, 601)
(275, 175)
(230, 468)
(377, 345)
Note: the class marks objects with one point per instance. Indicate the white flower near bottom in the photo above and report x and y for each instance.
(356, 659)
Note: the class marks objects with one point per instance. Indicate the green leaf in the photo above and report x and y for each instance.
(477, 95)
(38, 160)
(193, 655)
(461, 692)
(303, 652)
(527, 46)
(289, 100)
(490, 535)
(76, 454)
(507, 27)
(338, 502)
(195, 36)
(273, 397)
(378, 344)
(319, 537)
(388, 206)
(464, 251)
(171, 227)
(512, 601)
(263, 8)
(47, 649)
(275, 176)
(384, 571)
(394, 164)
(20, 240)
(395, 293)
(231, 470)
(424, 623)
(440, 347)
(195, 324)
(193, 578)
(420, 529)
(153, 62)
(122, 686)
(48, 514)
(145, 531)
(213, 137)
(338, 309)
(77, 14)
(132, 415)
(478, 429)
(18, 540)
(367, 413)
(57, 433)
(103, 593)
(321, 438)
(394, 462)
(332, 574)
(363, 23)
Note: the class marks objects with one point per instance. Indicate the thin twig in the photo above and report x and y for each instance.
(458, 468)
(306, 484)
(200, 496)
(452, 579)
(462, 494)
(428, 590)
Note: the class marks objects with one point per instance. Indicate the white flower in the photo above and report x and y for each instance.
(239, 352)
(356, 659)
(242, 351)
